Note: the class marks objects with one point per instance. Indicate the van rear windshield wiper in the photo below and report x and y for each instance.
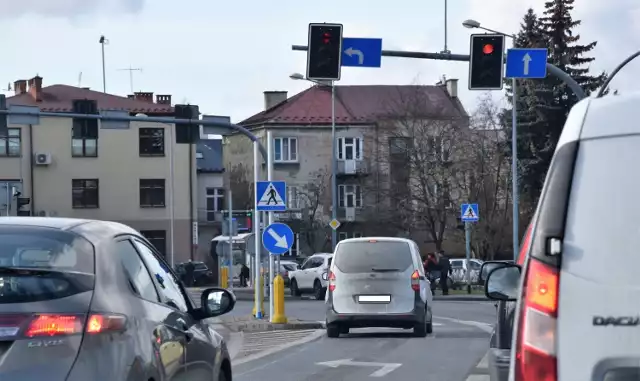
(384, 270)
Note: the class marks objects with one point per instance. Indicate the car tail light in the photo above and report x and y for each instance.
(332, 281)
(415, 281)
(57, 325)
(536, 348)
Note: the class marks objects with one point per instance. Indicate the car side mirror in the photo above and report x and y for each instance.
(503, 283)
(216, 301)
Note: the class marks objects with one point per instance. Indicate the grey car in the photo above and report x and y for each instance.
(93, 300)
(378, 282)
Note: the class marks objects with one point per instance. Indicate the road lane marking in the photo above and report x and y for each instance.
(385, 368)
(480, 325)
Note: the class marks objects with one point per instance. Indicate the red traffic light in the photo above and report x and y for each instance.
(326, 37)
(487, 49)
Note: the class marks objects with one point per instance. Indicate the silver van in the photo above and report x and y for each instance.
(378, 282)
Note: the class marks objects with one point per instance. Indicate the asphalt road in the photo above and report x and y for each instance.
(460, 340)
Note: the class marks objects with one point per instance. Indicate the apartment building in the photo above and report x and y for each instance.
(301, 130)
(110, 171)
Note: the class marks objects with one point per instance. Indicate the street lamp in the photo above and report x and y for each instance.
(473, 24)
(334, 159)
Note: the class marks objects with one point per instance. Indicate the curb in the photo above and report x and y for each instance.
(455, 298)
(260, 326)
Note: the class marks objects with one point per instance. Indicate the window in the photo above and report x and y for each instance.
(152, 193)
(350, 148)
(285, 150)
(215, 202)
(11, 145)
(168, 285)
(361, 257)
(84, 139)
(349, 196)
(85, 194)
(151, 141)
(293, 197)
(136, 271)
(158, 238)
(399, 146)
(346, 235)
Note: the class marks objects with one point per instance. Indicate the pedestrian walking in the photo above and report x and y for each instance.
(244, 275)
(445, 270)
(189, 269)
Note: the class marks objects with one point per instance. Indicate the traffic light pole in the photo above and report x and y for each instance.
(514, 167)
(554, 70)
(334, 168)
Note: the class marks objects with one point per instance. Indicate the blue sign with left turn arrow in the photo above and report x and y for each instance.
(277, 238)
(361, 52)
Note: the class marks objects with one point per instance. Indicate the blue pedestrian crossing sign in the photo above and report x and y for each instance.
(271, 196)
(277, 238)
(469, 213)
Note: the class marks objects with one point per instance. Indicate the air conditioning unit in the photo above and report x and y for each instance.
(350, 214)
(43, 158)
(350, 167)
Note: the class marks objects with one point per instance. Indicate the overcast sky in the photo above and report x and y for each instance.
(223, 55)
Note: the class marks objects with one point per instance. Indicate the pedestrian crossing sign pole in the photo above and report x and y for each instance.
(469, 213)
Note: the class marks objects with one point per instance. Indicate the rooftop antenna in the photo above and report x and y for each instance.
(131, 70)
(80, 79)
(446, 47)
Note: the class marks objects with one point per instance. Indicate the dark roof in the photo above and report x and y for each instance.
(357, 105)
(211, 160)
(59, 98)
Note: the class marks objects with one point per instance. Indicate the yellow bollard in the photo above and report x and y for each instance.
(224, 277)
(278, 301)
(261, 285)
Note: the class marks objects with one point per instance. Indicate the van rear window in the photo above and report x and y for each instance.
(365, 257)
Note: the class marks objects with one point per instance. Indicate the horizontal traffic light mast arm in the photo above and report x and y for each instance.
(127, 118)
(566, 78)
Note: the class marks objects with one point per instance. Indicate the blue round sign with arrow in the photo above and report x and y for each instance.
(277, 238)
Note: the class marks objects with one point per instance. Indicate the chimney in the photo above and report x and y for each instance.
(131, 96)
(452, 87)
(273, 98)
(163, 99)
(35, 88)
(20, 86)
(145, 97)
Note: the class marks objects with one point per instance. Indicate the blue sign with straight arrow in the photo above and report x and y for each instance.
(527, 63)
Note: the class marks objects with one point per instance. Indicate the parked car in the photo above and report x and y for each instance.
(285, 268)
(458, 277)
(312, 277)
(202, 275)
(94, 300)
(378, 282)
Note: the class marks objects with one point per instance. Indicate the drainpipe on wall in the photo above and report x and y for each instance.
(191, 217)
(31, 175)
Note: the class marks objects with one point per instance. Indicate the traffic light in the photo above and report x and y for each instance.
(187, 133)
(324, 52)
(486, 64)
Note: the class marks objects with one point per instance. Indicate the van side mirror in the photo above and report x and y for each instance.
(503, 283)
(486, 268)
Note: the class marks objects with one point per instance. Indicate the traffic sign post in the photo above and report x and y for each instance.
(271, 196)
(361, 52)
(527, 63)
(277, 238)
(469, 213)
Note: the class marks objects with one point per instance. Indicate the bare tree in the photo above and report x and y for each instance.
(241, 188)
(482, 176)
(312, 199)
(420, 145)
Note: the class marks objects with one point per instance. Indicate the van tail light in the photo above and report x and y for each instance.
(536, 341)
(332, 281)
(62, 325)
(415, 281)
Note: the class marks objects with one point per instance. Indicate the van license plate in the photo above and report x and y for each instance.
(374, 298)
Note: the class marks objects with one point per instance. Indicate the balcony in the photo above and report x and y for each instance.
(351, 214)
(352, 168)
(209, 217)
